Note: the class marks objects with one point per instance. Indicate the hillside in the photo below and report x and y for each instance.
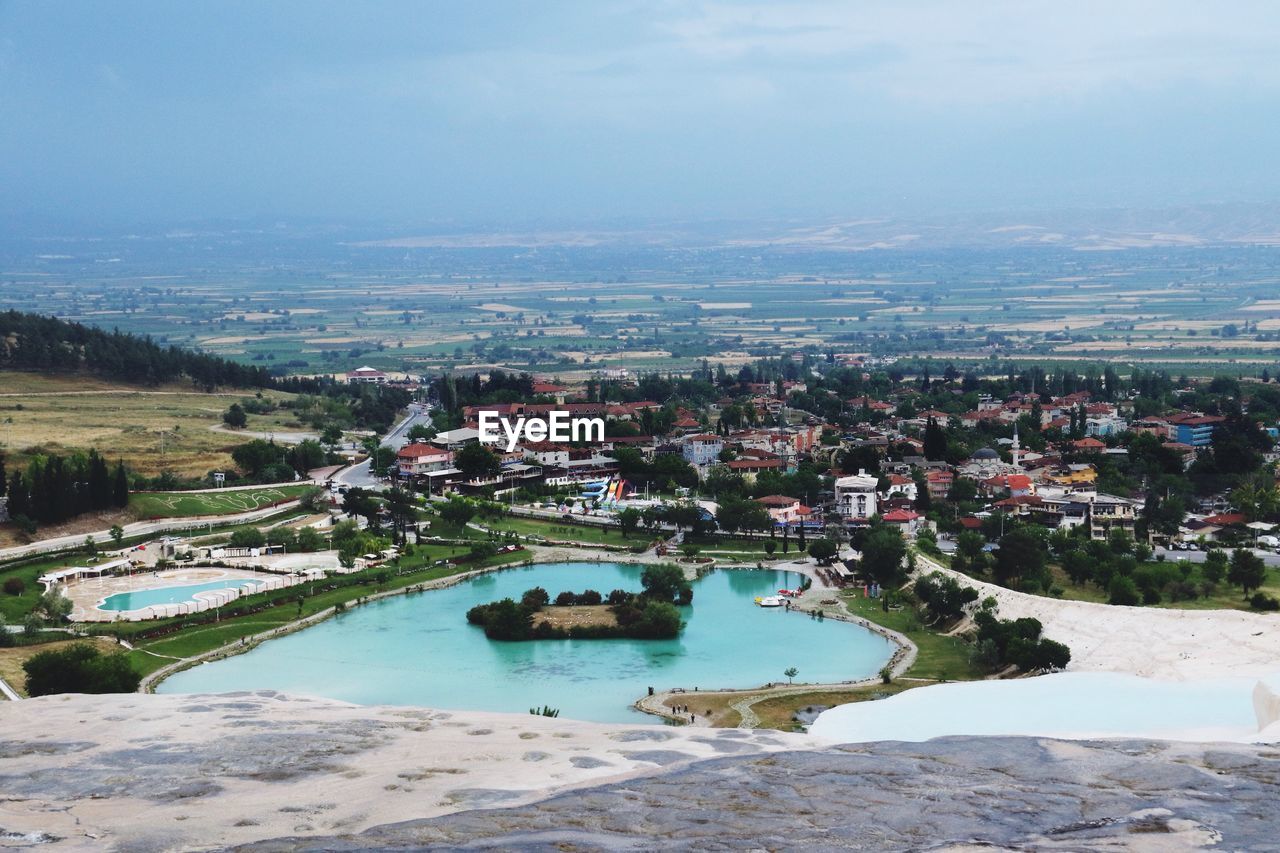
(166, 427)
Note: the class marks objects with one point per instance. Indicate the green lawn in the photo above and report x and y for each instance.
(563, 532)
(228, 502)
(940, 657)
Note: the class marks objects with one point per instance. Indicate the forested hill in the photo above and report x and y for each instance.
(36, 342)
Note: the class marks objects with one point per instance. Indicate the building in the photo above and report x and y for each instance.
(856, 496)
(939, 483)
(702, 450)
(417, 459)
(900, 484)
(783, 509)
(456, 438)
(906, 520)
(367, 375)
(1195, 430)
(748, 468)
(1107, 513)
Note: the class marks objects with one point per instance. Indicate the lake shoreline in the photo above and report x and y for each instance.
(903, 655)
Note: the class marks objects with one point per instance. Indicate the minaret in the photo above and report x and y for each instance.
(1015, 450)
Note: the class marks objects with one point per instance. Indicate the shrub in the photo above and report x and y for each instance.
(14, 586)
(79, 668)
(1262, 601)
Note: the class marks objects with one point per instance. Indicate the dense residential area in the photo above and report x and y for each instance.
(1145, 465)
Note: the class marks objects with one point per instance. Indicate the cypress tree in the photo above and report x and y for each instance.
(120, 487)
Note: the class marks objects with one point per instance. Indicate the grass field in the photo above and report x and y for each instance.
(940, 657)
(152, 430)
(777, 712)
(224, 502)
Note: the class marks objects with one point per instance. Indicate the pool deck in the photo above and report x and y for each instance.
(87, 595)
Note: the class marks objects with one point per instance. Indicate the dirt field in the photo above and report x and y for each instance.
(151, 429)
(569, 617)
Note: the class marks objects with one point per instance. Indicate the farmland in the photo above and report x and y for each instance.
(571, 310)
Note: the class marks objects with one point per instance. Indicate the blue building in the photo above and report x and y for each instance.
(1197, 431)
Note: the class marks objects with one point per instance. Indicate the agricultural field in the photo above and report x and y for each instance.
(151, 429)
(570, 311)
(220, 502)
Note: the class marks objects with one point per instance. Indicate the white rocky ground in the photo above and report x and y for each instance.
(174, 772)
(152, 773)
(1148, 641)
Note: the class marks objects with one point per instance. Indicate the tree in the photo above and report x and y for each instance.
(1214, 568)
(477, 462)
(935, 441)
(331, 436)
(734, 514)
(665, 582)
(943, 596)
(310, 540)
(120, 486)
(314, 499)
(421, 432)
(117, 534)
(53, 605)
(235, 417)
(628, 520)
(254, 457)
(824, 551)
(882, 554)
(250, 537)
(1021, 556)
(1123, 591)
(790, 672)
(457, 512)
(79, 668)
(1247, 570)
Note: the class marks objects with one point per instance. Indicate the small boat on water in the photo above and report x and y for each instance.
(770, 601)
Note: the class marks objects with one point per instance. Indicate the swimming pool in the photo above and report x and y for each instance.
(419, 650)
(142, 598)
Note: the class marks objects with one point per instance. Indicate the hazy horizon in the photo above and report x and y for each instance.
(513, 113)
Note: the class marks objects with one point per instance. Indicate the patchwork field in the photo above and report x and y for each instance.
(569, 310)
(152, 430)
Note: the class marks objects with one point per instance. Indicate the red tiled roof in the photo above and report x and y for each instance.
(418, 451)
(900, 516)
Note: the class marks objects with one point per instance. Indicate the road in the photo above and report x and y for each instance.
(359, 475)
(1271, 558)
(143, 528)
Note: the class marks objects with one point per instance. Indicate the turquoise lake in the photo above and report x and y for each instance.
(418, 649)
(169, 594)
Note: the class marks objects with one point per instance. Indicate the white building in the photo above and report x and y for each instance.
(702, 450)
(856, 496)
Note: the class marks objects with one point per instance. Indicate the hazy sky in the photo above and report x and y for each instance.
(519, 112)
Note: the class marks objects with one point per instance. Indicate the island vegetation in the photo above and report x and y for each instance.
(647, 615)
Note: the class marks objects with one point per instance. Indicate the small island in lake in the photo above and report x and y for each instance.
(647, 615)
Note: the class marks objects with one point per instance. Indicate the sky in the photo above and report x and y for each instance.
(496, 113)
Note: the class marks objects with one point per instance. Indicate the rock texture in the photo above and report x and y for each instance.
(952, 793)
(271, 772)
